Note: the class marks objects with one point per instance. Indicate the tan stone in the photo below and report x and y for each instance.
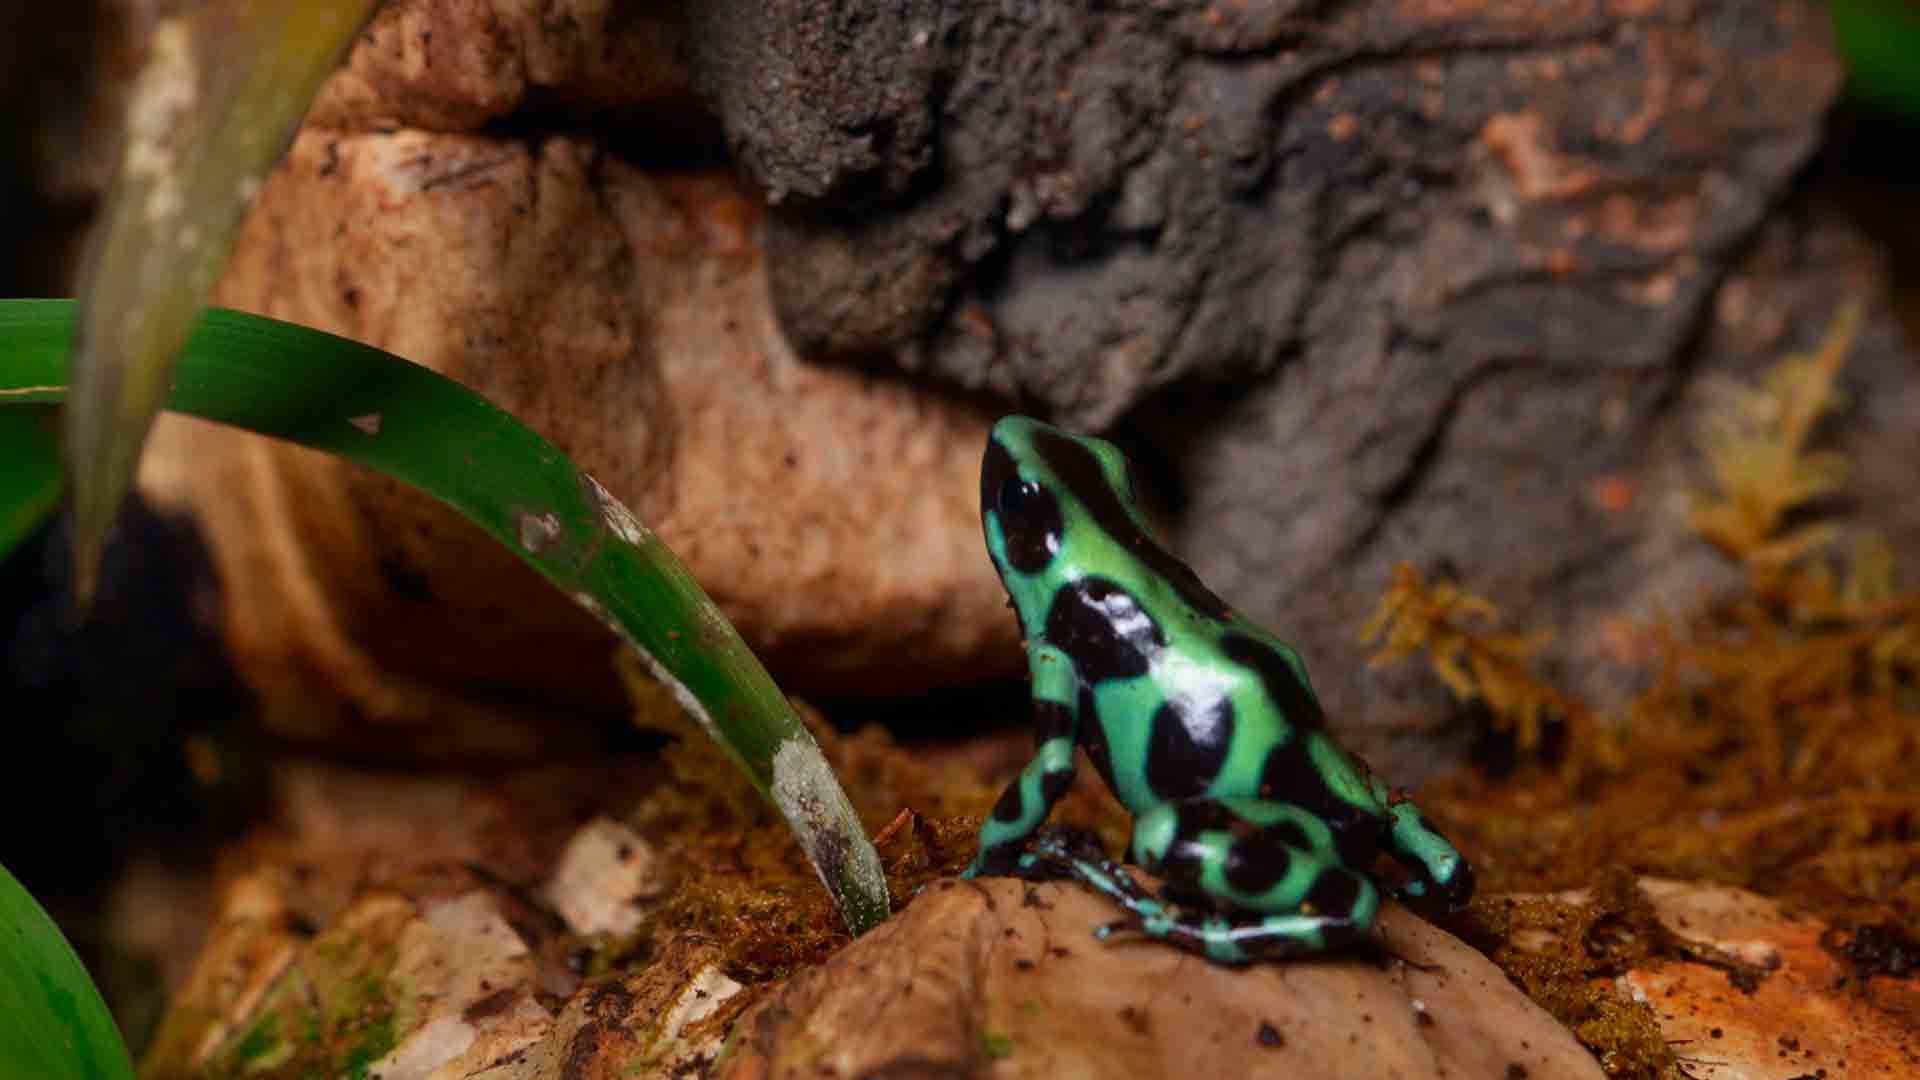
(455, 65)
(1004, 979)
(1808, 1015)
(625, 316)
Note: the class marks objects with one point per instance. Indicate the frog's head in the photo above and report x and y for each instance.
(1055, 507)
(1058, 507)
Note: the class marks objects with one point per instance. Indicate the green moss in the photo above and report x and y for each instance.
(376, 1040)
(1773, 747)
(993, 1044)
(331, 1014)
(261, 1047)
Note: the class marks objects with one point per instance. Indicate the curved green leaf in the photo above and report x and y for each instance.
(401, 419)
(53, 1025)
(224, 86)
(1879, 41)
(29, 470)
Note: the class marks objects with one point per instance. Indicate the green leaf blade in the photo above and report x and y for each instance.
(53, 1024)
(368, 406)
(224, 88)
(29, 471)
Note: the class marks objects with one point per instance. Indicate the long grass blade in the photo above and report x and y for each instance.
(53, 1024)
(224, 87)
(401, 419)
(29, 471)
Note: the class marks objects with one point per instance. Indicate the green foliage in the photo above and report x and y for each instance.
(403, 420)
(1879, 41)
(53, 1025)
(29, 470)
(224, 86)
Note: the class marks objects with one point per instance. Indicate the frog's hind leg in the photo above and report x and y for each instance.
(1241, 939)
(1441, 878)
(1246, 879)
(1269, 870)
(1058, 853)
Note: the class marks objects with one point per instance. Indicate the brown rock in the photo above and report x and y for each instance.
(455, 65)
(623, 315)
(1367, 282)
(1004, 977)
(434, 970)
(1436, 281)
(1807, 1016)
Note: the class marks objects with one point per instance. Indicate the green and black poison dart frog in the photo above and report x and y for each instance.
(1202, 723)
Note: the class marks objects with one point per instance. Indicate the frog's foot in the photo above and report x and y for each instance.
(1060, 852)
(1441, 881)
(1228, 939)
(1045, 856)
(1430, 897)
(1225, 939)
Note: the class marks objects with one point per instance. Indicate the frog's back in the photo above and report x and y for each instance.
(1283, 750)
(1178, 696)
(1203, 724)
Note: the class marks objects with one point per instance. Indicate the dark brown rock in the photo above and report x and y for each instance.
(1362, 283)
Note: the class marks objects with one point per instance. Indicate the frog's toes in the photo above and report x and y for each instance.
(1069, 844)
(1430, 898)
(1041, 866)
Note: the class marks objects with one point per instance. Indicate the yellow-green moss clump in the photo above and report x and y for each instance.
(1772, 749)
(331, 1013)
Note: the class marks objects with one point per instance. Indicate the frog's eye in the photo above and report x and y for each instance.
(1030, 526)
(1016, 496)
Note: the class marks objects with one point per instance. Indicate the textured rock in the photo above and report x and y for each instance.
(1361, 282)
(624, 316)
(1434, 169)
(1444, 282)
(456, 65)
(443, 972)
(1808, 1016)
(1001, 978)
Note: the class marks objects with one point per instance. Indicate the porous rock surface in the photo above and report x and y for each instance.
(622, 313)
(1446, 282)
(1811, 1014)
(1389, 280)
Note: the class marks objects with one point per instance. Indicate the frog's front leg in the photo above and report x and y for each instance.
(1442, 879)
(1027, 801)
